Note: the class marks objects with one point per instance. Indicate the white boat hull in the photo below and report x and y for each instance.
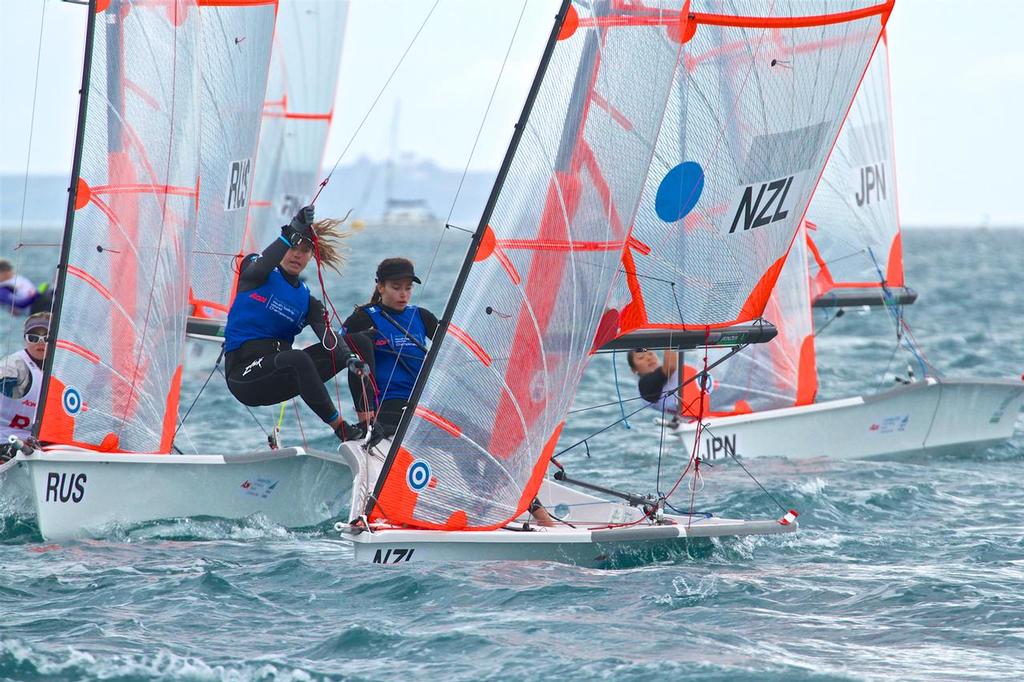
(590, 531)
(80, 494)
(926, 417)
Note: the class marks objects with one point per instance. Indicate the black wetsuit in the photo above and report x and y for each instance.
(269, 371)
(389, 412)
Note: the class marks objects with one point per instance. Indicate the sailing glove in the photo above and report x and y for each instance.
(347, 431)
(357, 366)
(301, 226)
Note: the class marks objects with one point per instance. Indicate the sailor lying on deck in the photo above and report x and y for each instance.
(658, 382)
(400, 332)
(271, 307)
(21, 377)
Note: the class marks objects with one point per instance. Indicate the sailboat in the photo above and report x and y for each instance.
(163, 167)
(849, 254)
(653, 186)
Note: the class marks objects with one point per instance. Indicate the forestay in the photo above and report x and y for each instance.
(855, 231)
(534, 297)
(236, 40)
(755, 108)
(297, 112)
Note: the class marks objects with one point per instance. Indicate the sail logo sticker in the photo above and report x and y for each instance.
(763, 204)
(418, 476)
(237, 195)
(679, 191)
(71, 401)
(872, 178)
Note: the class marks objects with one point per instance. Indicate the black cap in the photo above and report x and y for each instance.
(401, 269)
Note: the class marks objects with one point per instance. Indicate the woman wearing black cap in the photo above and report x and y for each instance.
(400, 333)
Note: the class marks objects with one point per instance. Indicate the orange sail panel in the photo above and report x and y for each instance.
(856, 237)
(113, 380)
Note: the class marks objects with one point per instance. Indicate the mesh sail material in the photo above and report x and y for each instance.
(505, 374)
(117, 362)
(756, 105)
(236, 42)
(297, 112)
(856, 231)
(765, 376)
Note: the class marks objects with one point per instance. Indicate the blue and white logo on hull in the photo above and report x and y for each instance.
(71, 400)
(418, 476)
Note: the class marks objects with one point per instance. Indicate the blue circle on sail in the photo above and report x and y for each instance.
(71, 401)
(679, 191)
(418, 475)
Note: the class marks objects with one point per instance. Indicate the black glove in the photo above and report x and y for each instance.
(357, 366)
(301, 226)
(347, 431)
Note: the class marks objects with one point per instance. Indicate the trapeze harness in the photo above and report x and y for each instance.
(262, 367)
(398, 349)
(18, 398)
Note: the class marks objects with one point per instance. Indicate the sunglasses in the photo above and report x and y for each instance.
(36, 338)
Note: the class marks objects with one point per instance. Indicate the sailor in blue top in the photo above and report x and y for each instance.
(400, 332)
(271, 307)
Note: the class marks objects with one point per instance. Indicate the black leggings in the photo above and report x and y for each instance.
(274, 376)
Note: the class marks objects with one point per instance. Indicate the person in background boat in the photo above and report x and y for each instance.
(400, 332)
(271, 307)
(658, 381)
(17, 293)
(21, 377)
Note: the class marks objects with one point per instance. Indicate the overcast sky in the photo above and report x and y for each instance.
(957, 71)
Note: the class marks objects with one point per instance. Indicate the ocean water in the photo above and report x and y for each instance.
(902, 570)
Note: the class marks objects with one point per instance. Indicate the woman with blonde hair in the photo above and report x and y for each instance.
(271, 307)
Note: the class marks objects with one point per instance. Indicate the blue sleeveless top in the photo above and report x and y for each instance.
(273, 310)
(398, 360)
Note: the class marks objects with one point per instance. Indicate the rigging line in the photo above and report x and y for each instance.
(487, 111)
(216, 364)
(752, 477)
(251, 413)
(881, 379)
(895, 312)
(376, 99)
(28, 163)
(839, 312)
(664, 394)
(618, 392)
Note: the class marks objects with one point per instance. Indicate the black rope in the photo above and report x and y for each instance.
(732, 454)
(249, 410)
(181, 423)
(664, 394)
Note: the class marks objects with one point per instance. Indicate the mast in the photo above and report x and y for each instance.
(69, 218)
(471, 253)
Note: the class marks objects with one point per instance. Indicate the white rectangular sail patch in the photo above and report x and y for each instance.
(237, 194)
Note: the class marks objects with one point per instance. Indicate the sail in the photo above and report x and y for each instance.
(533, 299)
(853, 217)
(767, 376)
(297, 112)
(115, 366)
(753, 114)
(236, 39)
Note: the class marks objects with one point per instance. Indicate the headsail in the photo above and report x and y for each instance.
(853, 220)
(532, 300)
(297, 112)
(236, 39)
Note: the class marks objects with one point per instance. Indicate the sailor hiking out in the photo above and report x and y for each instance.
(400, 332)
(271, 307)
(658, 383)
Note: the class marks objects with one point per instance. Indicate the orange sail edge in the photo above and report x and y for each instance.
(399, 501)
